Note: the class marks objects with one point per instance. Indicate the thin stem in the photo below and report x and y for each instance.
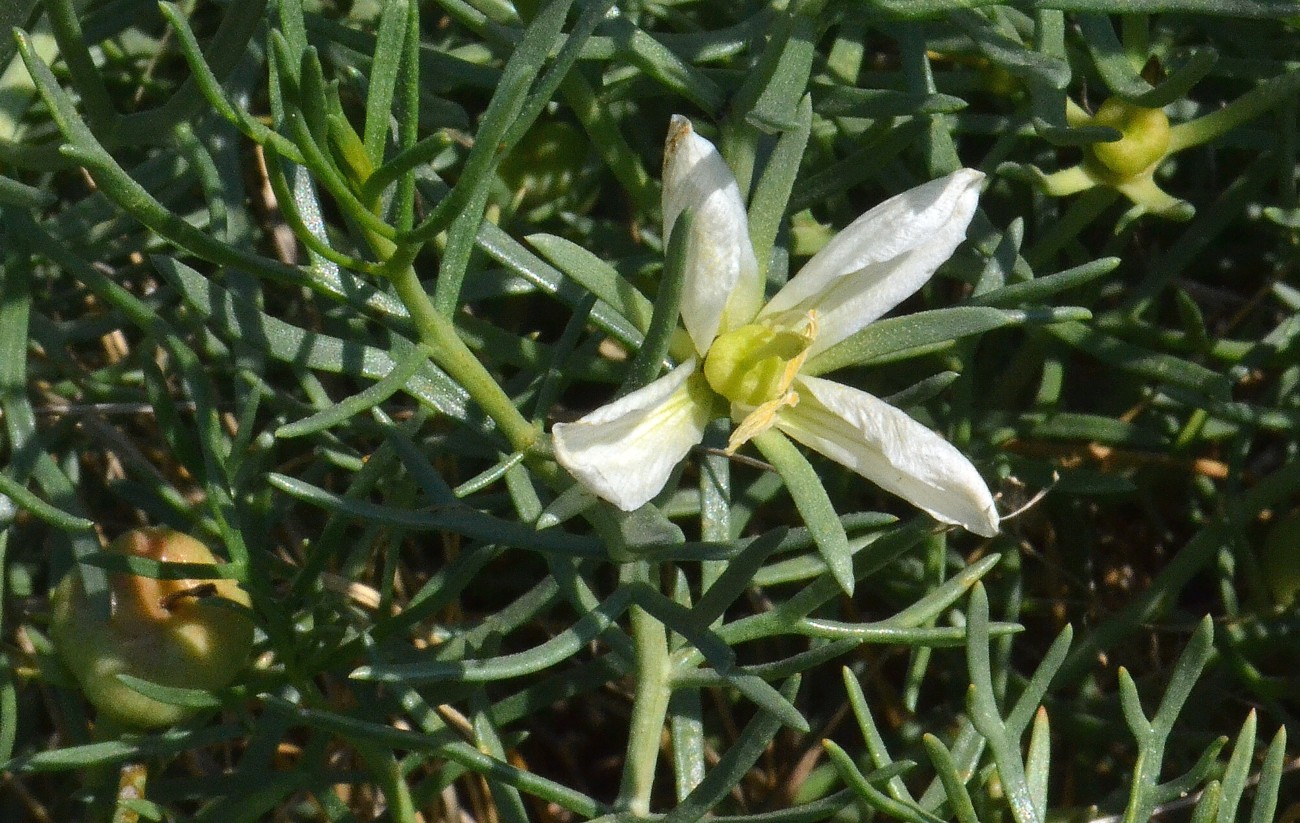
(1250, 105)
(86, 78)
(453, 356)
(388, 774)
(650, 706)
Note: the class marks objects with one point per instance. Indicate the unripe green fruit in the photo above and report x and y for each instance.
(1144, 144)
(1281, 559)
(180, 633)
(747, 365)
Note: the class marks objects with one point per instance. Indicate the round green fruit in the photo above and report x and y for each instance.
(1144, 143)
(187, 634)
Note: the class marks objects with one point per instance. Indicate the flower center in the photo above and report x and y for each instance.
(1145, 141)
(753, 367)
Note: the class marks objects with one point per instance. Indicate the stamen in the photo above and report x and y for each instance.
(809, 334)
(759, 420)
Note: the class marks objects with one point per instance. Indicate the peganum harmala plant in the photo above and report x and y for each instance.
(319, 281)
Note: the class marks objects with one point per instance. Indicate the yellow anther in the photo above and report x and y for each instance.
(760, 420)
(809, 334)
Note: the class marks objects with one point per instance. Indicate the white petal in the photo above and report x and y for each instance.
(625, 451)
(892, 450)
(722, 289)
(882, 258)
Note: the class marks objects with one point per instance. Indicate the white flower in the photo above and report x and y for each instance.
(749, 355)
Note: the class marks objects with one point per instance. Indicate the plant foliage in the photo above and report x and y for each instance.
(312, 281)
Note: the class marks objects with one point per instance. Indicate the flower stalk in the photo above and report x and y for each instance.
(650, 705)
(438, 333)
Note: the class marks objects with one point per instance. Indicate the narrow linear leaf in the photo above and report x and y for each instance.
(1270, 780)
(949, 775)
(777, 105)
(458, 752)
(161, 570)
(771, 198)
(652, 357)
(1040, 289)
(832, 100)
(869, 794)
(659, 62)
(1038, 762)
(390, 384)
(27, 499)
(606, 316)
(596, 276)
(234, 318)
(814, 505)
(1143, 362)
(163, 744)
(894, 335)
(171, 695)
(1235, 775)
(457, 519)
(733, 765)
(1116, 70)
(383, 77)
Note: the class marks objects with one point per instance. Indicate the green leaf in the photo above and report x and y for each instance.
(814, 505)
(869, 794)
(652, 357)
(171, 695)
(388, 51)
(1038, 762)
(606, 316)
(459, 752)
(911, 9)
(1237, 773)
(127, 748)
(162, 570)
(777, 106)
(1040, 289)
(1116, 70)
(1270, 780)
(897, 338)
(954, 783)
(561, 647)
(597, 277)
(456, 519)
(981, 703)
(1164, 368)
(733, 765)
(27, 500)
(23, 196)
(1010, 54)
(832, 100)
(412, 361)
(231, 316)
(659, 62)
(767, 206)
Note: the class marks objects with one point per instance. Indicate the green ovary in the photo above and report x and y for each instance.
(1145, 141)
(748, 365)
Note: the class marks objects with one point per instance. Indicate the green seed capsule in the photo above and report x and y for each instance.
(748, 365)
(182, 633)
(1145, 140)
